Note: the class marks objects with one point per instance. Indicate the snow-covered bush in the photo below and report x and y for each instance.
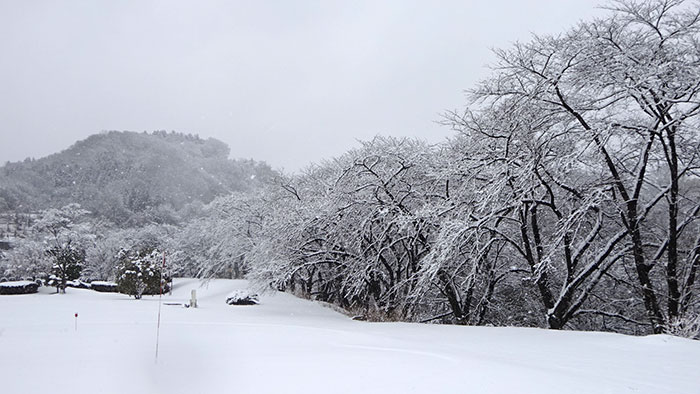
(104, 287)
(19, 287)
(139, 273)
(242, 297)
(78, 284)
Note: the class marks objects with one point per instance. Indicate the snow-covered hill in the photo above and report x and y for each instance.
(122, 176)
(289, 345)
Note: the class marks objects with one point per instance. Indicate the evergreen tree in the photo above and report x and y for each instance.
(139, 273)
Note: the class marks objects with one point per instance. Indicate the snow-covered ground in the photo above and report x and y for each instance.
(289, 345)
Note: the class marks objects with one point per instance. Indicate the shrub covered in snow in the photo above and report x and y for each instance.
(139, 273)
(19, 287)
(104, 287)
(242, 297)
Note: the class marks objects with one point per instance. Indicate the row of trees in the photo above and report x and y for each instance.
(67, 244)
(54, 248)
(569, 197)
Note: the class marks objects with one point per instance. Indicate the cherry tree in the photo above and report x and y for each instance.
(586, 124)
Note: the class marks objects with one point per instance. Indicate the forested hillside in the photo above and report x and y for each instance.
(129, 177)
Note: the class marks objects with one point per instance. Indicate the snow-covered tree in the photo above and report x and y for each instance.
(61, 236)
(594, 135)
(67, 262)
(352, 230)
(139, 272)
(217, 243)
(27, 260)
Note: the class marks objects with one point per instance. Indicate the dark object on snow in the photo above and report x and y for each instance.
(104, 287)
(19, 287)
(240, 297)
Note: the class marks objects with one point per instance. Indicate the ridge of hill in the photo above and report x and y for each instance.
(128, 177)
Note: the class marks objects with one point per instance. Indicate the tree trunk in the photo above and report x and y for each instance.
(672, 262)
(651, 303)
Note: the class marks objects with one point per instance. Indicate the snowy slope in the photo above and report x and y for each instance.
(290, 345)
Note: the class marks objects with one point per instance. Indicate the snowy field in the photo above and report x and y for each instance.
(289, 345)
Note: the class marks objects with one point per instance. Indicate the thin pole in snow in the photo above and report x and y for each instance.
(160, 301)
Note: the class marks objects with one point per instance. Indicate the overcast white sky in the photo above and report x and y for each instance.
(288, 82)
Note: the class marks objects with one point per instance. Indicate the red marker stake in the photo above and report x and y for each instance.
(76, 322)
